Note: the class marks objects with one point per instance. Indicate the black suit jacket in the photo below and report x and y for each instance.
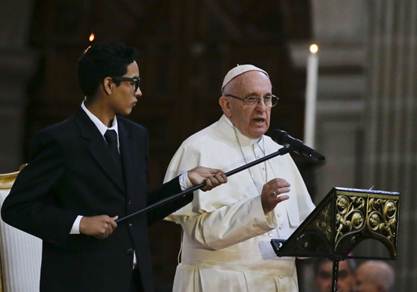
(71, 173)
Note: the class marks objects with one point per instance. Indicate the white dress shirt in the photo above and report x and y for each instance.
(183, 179)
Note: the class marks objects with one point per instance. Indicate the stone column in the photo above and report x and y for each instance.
(16, 66)
(390, 119)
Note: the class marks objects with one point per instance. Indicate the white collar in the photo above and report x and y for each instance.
(244, 140)
(99, 124)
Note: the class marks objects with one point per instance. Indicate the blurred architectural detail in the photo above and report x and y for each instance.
(16, 67)
(367, 112)
(390, 119)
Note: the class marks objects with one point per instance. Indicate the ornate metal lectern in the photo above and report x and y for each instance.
(343, 219)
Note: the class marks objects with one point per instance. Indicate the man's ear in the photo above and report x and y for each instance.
(224, 103)
(108, 85)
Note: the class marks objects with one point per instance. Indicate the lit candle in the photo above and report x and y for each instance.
(91, 37)
(311, 95)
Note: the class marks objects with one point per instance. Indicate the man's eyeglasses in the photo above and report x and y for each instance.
(134, 81)
(269, 100)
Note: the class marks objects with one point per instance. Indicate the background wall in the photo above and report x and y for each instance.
(367, 112)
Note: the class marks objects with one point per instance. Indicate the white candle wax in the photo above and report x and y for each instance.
(311, 96)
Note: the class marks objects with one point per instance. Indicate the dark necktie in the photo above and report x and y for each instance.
(111, 139)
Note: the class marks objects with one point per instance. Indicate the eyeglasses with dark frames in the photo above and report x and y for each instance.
(134, 81)
(270, 100)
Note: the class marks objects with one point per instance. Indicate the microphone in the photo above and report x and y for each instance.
(296, 145)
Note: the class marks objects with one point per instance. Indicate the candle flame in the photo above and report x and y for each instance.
(91, 37)
(314, 48)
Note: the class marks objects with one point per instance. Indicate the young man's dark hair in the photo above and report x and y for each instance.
(102, 60)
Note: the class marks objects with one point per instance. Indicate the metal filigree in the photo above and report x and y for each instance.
(382, 219)
(366, 215)
(343, 219)
(350, 215)
(323, 223)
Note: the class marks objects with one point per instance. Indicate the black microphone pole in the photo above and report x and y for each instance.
(281, 151)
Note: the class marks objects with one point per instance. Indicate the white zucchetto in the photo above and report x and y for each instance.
(239, 70)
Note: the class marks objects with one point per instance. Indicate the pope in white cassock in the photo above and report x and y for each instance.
(227, 231)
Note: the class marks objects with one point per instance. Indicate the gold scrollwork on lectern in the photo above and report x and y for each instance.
(323, 222)
(372, 216)
(350, 215)
(382, 217)
(342, 220)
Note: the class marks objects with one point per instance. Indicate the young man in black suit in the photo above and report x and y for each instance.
(87, 171)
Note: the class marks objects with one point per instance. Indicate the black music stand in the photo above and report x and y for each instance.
(343, 219)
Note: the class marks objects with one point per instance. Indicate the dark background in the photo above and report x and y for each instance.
(185, 49)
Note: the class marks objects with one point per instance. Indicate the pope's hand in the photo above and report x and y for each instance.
(273, 192)
(98, 226)
(209, 176)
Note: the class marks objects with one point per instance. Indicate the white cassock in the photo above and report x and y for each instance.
(226, 235)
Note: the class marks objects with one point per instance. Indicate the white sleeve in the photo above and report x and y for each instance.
(228, 225)
(227, 219)
(185, 182)
(75, 229)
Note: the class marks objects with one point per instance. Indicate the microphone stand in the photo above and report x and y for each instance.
(284, 150)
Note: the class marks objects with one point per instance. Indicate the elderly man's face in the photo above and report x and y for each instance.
(364, 282)
(251, 120)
